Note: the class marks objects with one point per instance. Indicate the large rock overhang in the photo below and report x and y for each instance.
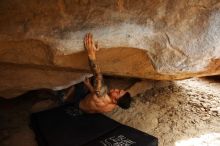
(41, 42)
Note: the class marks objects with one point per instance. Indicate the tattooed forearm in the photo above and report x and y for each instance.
(99, 85)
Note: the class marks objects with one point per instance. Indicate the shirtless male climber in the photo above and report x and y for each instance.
(100, 99)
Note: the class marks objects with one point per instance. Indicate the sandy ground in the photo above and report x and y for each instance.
(183, 113)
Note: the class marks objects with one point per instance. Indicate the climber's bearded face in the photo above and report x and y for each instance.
(116, 93)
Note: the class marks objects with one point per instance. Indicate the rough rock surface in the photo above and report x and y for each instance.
(162, 40)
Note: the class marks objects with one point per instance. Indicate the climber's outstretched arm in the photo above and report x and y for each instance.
(91, 50)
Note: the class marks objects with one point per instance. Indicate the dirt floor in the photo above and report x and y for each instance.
(183, 113)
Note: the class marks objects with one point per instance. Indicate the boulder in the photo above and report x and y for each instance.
(41, 42)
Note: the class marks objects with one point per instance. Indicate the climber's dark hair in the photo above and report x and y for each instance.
(125, 101)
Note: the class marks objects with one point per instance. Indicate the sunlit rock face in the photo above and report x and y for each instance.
(41, 42)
